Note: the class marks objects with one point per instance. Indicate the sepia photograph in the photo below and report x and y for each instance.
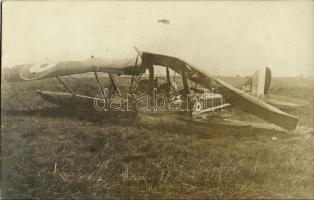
(157, 99)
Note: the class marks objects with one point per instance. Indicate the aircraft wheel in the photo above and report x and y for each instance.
(197, 106)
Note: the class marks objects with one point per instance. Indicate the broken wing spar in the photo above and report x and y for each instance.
(237, 97)
(31, 72)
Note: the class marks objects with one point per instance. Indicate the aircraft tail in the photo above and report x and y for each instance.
(258, 85)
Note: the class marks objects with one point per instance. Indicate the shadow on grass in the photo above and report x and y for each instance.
(64, 112)
(163, 124)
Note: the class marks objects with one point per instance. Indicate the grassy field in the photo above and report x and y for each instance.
(50, 153)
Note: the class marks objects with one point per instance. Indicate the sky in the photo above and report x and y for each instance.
(223, 38)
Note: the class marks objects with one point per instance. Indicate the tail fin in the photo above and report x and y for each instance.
(267, 80)
(258, 85)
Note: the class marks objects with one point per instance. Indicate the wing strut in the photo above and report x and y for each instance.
(114, 84)
(99, 84)
(137, 80)
(66, 87)
(168, 78)
(132, 80)
(138, 52)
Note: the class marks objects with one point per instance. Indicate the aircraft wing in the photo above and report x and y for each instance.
(30, 72)
(237, 97)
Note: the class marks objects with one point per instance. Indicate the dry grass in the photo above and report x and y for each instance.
(51, 154)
